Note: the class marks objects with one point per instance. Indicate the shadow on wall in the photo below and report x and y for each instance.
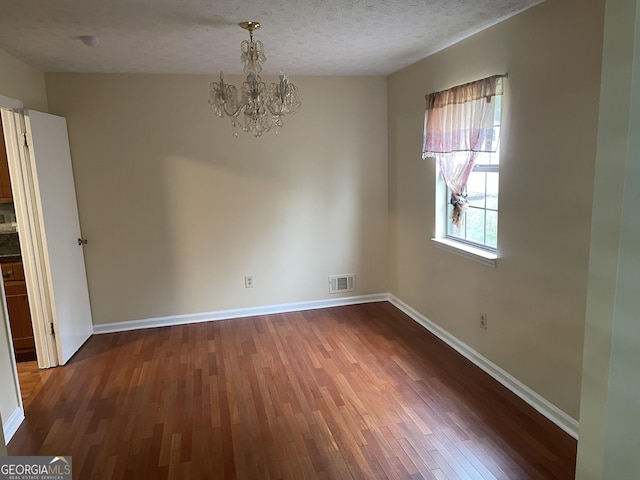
(197, 209)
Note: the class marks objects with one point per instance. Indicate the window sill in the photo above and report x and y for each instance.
(477, 254)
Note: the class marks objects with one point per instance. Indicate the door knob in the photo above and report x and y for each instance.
(82, 241)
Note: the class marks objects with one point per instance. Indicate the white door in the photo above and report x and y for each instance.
(60, 231)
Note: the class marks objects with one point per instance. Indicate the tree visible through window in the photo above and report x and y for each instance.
(462, 131)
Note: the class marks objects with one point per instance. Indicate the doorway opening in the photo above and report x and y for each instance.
(11, 263)
(15, 289)
(50, 255)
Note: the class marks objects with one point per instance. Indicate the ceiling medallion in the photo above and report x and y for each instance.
(261, 107)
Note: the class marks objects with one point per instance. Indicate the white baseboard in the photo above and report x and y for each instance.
(11, 424)
(236, 313)
(546, 408)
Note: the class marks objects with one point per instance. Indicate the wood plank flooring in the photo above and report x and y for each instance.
(356, 392)
(31, 380)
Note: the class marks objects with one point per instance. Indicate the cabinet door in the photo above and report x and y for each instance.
(20, 317)
(7, 272)
(18, 271)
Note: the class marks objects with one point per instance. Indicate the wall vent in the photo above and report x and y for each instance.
(342, 283)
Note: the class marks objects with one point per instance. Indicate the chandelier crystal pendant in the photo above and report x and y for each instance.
(261, 107)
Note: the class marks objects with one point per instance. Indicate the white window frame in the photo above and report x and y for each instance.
(440, 239)
(480, 253)
(478, 168)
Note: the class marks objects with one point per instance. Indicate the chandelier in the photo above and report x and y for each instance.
(261, 107)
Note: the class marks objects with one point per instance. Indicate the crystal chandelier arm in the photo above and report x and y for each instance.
(283, 97)
(223, 98)
(233, 113)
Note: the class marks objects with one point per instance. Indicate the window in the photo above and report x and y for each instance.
(479, 224)
(462, 132)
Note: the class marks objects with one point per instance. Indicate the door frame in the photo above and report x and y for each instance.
(30, 237)
(9, 430)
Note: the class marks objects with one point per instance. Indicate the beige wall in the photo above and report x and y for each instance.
(177, 210)
(535, 298)
(22, 82)
(610, 389)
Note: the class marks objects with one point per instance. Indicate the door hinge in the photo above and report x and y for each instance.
(53, 332)
(26, 143)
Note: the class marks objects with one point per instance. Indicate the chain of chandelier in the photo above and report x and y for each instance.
(260, 107)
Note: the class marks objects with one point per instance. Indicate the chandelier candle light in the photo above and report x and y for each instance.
(261, 107)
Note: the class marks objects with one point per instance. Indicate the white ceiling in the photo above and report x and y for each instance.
(310, 37)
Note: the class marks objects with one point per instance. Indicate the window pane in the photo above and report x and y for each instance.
(475, 225)
(486, 158)
(492, 229)
(492, 190)
(494, 158)
(476, 189)
(498, 110)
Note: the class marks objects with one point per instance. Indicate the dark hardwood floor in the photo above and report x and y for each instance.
(349, 392)
(31, 379)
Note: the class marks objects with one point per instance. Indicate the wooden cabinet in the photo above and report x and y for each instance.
(19, 313)
(12, 271)
(6, 195)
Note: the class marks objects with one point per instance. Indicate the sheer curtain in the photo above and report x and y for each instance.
(459, 125)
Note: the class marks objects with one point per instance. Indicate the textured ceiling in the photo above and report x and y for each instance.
(310, 37)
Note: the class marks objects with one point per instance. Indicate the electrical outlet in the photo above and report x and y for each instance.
(248, 281)
(483, 321)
